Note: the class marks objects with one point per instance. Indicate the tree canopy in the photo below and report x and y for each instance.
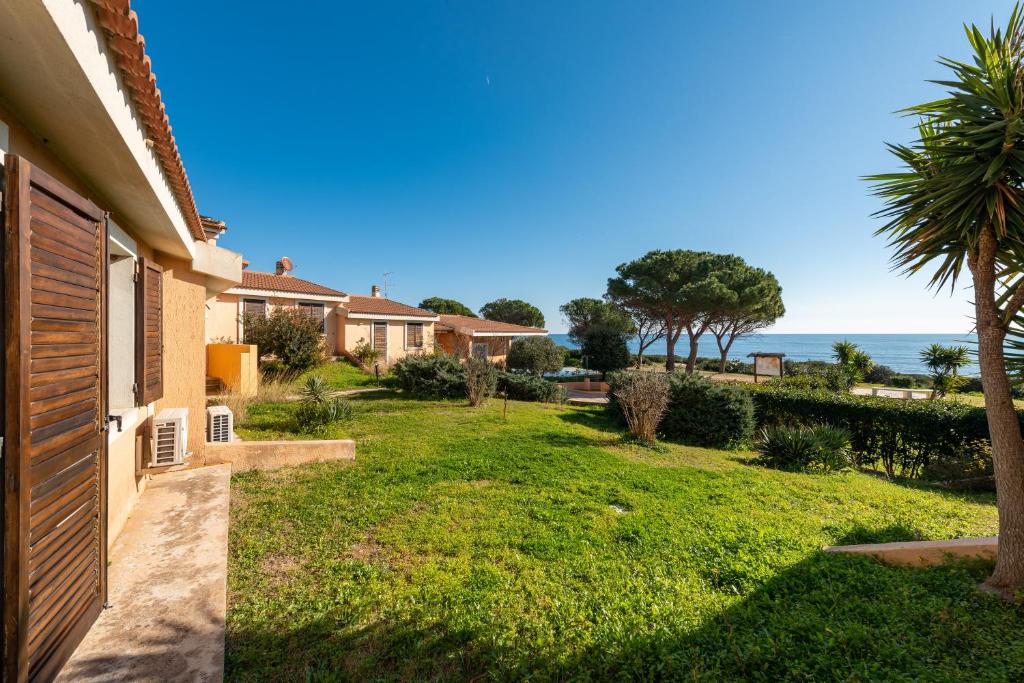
(584, 313)
(680, 287)
(515, 311)
(756, 303)
(605, 349)
(446, 306)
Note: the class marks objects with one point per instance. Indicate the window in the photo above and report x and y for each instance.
(121, 265)
(314, 311)
(480, 350)
(414, 335)
(380, 336)
(252, 307)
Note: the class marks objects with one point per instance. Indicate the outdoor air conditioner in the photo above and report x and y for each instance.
(170, 434)
(220, 424)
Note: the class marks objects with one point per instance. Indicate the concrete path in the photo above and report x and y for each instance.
(168, 587)
(575, 397)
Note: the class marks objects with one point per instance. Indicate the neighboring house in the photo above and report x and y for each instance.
(259, 293)
(107, 271)
(465, 336)
(392, 328)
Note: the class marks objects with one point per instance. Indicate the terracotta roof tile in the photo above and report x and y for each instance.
(121, 25)
(381, 306)
(487, 326)
(252, 279)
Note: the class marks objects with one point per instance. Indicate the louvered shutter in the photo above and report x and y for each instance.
(54, 423)
(149, 338)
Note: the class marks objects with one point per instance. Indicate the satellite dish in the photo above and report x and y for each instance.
(287, 264)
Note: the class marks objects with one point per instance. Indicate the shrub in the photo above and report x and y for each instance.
(605, 349)
(804, 449)
(643, 399)
(290, 335)
(319, 407)
(481, 380)
(523, 387)
(879, 374)
(365, 354)
(536, 355)
(700, 412)
(439, 375)
(934, 440)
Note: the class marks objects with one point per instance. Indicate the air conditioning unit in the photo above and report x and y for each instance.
(170, 435)
(220, 424)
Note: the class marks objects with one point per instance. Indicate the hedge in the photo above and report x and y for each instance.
(523, 387)
(444, 376)
(933, 440)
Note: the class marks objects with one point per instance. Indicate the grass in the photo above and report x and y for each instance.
(461, 546)
(342, 374)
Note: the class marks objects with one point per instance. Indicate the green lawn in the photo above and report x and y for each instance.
(343, 374)
(462, 546)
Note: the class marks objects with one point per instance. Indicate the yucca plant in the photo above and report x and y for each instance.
(956, 206)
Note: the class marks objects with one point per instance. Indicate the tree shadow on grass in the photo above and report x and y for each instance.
(592, 418)
(827, 617)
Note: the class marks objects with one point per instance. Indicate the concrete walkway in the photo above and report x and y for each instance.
(168, 587)
(575, 397)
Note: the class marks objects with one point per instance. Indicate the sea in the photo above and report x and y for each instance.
(901, 352)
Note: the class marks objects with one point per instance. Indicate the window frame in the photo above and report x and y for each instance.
(373, 336)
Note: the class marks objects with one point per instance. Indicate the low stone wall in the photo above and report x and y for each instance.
(265, 455)
(923, 553)
(585, 386)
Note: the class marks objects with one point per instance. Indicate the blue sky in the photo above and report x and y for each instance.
(478, 150)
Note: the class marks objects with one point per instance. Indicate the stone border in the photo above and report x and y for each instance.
(265, 455)
(923, 553)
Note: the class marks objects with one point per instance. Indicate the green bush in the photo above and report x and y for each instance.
(535, 354)
(934, 440)
(700, 412)
(707, 413)
(481, 380)
(439, 376)
(605, 349)
(804, 449)
(523, 387)
(293, 337)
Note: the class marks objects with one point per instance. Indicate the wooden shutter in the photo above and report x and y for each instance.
(54, 559)
(414, 335)
(149, 337)
(380, 336)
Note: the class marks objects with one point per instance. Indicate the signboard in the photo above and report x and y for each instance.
(770, 366)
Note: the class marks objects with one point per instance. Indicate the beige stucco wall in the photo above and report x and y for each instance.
(184, 348)
(123, 485)
(353, 331)
(223, 316)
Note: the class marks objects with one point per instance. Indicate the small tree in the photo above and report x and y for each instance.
(290, 335)
(584, 313)
(481, 381)
(605, 349)
(944, 363)
(958, 206)
(514, 311)
(852, 362)
(535, 355)
(446, 306)
(643, 398)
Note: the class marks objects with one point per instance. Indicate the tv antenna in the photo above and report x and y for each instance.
(386, 283)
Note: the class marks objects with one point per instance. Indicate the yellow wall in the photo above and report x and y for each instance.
(352, 332)
(461, 346)
(224, 315)
(237, 365)
(123, 485)
(185, 349)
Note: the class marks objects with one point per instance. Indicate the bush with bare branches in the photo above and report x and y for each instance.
(643, 398)
(481, 381)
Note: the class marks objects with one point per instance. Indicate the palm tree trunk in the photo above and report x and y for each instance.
(1003, 424)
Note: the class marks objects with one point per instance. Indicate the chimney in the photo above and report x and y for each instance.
(375, 291)
(279, 268)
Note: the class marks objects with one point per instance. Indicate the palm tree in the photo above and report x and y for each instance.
(945, 363)
(958, 205)
(844, 351)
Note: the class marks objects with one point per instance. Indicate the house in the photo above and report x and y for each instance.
(392, 328)
(108, 268)
(464, 336)
(259, 293)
